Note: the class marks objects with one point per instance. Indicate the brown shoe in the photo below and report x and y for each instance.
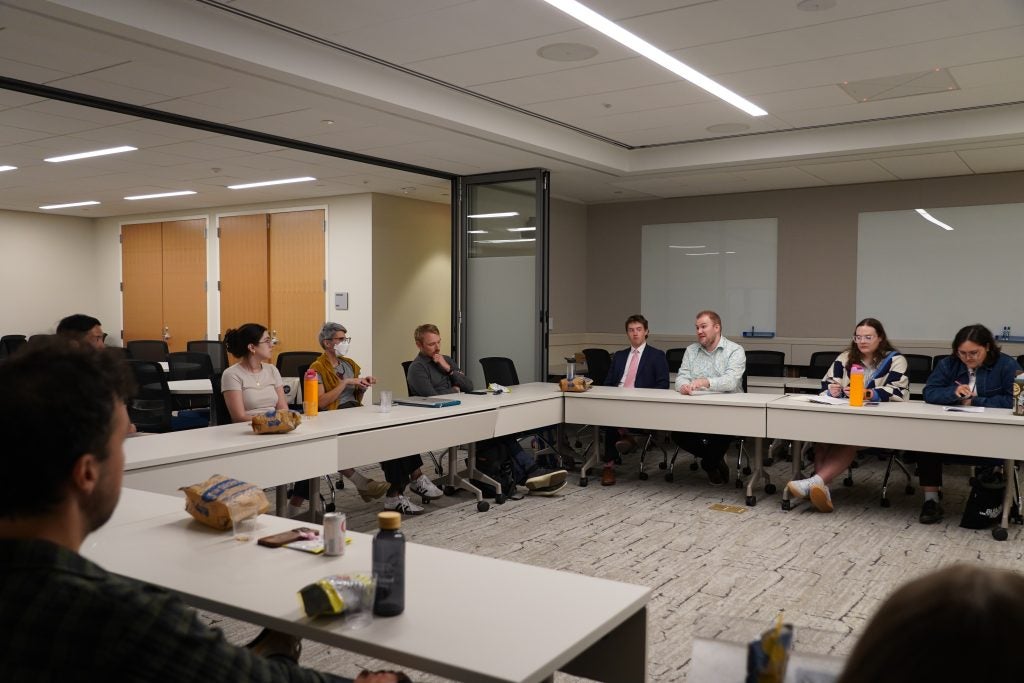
(608, 476)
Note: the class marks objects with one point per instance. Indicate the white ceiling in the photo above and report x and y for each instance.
(458, 86)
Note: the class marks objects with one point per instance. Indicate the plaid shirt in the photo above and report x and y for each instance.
(723, 367)
(64, 618)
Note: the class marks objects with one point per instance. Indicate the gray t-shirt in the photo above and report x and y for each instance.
(344, 370)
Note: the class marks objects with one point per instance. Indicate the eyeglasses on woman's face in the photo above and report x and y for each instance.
(864, 337)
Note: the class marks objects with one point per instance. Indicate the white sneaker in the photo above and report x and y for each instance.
(424, 487)
(403, 505)
(799, 488)
(295, 510)
(821, 497)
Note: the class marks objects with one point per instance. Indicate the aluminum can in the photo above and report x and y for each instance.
(334, 534)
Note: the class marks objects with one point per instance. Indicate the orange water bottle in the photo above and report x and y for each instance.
(310, 400)
(856, 385)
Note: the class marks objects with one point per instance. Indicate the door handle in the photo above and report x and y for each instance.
(167, 332)
(273, 338)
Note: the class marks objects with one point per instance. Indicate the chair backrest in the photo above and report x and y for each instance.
(675, 359)
(499, 370)
(1020, 360)
(918, 367)
(150, 410)
(9, 343)
(148, 349)
(189, 365)
(219, 414)
(295, 363)
(938, 358)
(216, 350)
(766, 364)
(821, 361)
(405, 374)
(36, 337)
(599, 362)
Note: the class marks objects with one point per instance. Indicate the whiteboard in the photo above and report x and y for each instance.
(924, 282)
(725, 266)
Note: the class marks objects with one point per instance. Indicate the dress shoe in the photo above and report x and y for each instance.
(608, 476)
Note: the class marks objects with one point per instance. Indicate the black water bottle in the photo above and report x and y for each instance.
(389, 565)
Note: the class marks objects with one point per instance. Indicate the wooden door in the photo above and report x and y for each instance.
(297, 284)
(244, 279)
(184, 282)
(142, 281)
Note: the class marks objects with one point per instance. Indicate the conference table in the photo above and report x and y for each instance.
(593, 627)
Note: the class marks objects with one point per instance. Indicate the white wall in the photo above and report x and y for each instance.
(46, 271)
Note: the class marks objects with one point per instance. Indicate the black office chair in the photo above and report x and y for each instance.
(153, 408)
(937, 359)
(214, 349)
(499, 370)
(148, 349)
(675, 359)
(918, 367)
(189, 365)
(599, 362)
(295, 363)
(10, 343)
(219, 413)
(765, 364)
(1020, 360)
(821, 361)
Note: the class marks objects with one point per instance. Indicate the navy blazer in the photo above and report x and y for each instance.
(652, 373)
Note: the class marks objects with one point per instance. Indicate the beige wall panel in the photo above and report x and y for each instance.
(142, 273)
(244, 275)
(297, 278)
(184, 275)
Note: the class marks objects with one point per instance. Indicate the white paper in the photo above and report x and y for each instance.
(964, 409)
(830, 400)
(703, 392)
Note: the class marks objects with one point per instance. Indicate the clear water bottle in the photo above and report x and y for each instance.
(389, 565)
(570, 368)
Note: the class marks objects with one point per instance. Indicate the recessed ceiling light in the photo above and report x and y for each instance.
(567, 52)
(93, 153)
(8, 168)
(531, 239)
(728, 128)
(656, 55)
(500, 214)
(67, 206)
(928, 217)
(687, 246)
(527, 228)
(265, 183)
(477, 232)
(705, 253)
(815, 5)
(327, 122)
(181, 193)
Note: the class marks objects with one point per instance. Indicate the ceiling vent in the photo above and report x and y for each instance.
(901, 85)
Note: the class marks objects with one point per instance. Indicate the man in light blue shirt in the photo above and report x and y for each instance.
(712, 364)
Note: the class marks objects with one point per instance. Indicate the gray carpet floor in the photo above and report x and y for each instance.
(714, 574)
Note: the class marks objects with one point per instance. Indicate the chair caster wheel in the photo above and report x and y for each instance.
(1000, 534)
(449, 490)
(340, 484)
(642, 476)
(751, 501)
(483, 506)
(739, 483)
(499, 499)
(670, 477)
(848, 481)
(662, 466)
(747, 470)
(909, 490)
(583, 481)
(787, 505)
(770, 489)
(694, 467)
(886, 503)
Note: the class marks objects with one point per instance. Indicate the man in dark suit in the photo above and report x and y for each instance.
(641, 366)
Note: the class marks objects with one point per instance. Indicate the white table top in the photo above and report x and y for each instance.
(439, 632)
(190, 386)
(672, 396)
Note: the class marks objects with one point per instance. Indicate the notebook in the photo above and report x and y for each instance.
(427, 402)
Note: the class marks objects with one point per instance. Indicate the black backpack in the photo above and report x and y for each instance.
(985, 503)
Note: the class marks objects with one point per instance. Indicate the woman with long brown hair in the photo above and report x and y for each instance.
(885, 379)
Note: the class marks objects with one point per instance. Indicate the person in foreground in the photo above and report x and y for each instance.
(977, 373)
(713, 363)
(885, 379)
(970, 616)
(641, 366)
(63, 617)
(432, 373)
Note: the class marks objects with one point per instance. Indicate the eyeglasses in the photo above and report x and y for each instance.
(343, 339)
(864, 337)
(266, 341)
(970, 354)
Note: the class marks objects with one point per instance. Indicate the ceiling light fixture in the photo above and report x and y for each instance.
(531, 239)
(477, 232)
(181, 193)
(705, 253)
(928, 217)
(527, 228)
(93, 153)
(687, 246)
(500, 214)
(8, 168)
(67, 206)
(265, 183)
(642, 47)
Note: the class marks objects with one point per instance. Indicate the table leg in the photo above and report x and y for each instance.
(759, 474)
(593, 455)
(281, 500)
(316, 507)
(798, 450)
(620, 655)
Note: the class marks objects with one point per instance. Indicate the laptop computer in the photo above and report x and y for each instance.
(427, 401)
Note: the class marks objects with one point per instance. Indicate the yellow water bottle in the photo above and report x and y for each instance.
(310, 400)
(856, 385)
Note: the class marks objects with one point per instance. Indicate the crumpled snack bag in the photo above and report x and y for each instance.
(276, 422)
(768, 656)
(577, 385)
(217, 500)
